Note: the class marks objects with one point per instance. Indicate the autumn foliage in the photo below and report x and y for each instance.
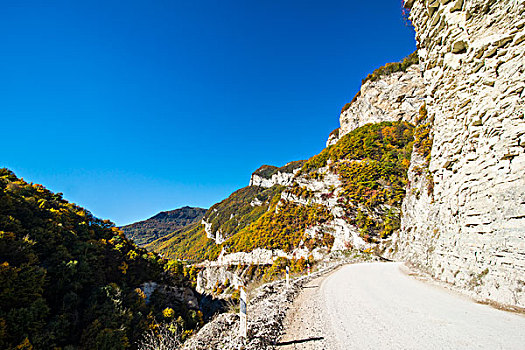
(372, 162)
(70, 280)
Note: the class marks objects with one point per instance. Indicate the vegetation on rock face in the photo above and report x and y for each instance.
(231, 215)
(386, 141)
(241, 208)
(290, 167)
(422, 134)
(334, 133)
(68, 279)
(372, 163)
(282, 228)
(246, 226)
(394, 67)
(266, 171)
(277, 269)
(301, 192)
(423, 142)
(252, 274)
(166, 222)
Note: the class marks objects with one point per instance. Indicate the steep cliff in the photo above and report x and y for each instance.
(464, 214)
(391, 97)
(268, 175)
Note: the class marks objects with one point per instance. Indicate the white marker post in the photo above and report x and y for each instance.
(243, 314)
(308, 268)
(287, 276)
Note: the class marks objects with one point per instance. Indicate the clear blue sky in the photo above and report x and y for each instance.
(133, 107)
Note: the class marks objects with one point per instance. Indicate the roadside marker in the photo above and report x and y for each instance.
(243, 314)
(287, 276)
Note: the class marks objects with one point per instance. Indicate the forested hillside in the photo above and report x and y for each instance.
(222, 220)
(166, 222)
(70, 280)
(372, 163)
(359, 183)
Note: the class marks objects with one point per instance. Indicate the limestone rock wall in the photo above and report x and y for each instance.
(394, 97)
(326, 191)
(217, 235)
(209, 276)
(279, 178)
(470, 230)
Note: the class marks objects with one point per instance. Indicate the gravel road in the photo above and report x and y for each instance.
(378, 306)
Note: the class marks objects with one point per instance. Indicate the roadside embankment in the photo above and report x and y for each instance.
(267, 309)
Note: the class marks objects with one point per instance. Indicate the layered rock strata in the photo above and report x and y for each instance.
(469, 229)
(393, 97)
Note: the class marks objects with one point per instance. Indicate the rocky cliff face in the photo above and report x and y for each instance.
(283, 179)
(268, 176)
(464, 213)
(393, 97)
(326, 191)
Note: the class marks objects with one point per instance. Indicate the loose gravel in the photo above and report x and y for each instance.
(267, 309)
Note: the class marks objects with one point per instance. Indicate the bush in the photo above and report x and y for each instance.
(391, 68)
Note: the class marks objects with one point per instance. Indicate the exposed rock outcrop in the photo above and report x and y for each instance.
(326, 191)
(268, 176)
(393, 97)
(333, 138)
(469, 229)
(283, 179)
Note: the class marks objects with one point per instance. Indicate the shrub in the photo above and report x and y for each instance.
(266, 171)
(391, 68)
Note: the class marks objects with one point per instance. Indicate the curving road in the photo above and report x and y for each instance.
(377, 306)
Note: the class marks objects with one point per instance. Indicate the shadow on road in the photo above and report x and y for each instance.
(300, 341)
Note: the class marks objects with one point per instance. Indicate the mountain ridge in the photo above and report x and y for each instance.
(163, 223)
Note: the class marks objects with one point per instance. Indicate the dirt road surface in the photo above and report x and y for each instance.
(378, 306)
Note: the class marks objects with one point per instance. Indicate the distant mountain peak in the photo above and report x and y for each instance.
(163, 223)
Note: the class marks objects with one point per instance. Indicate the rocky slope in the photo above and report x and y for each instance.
(267, 308)
(166, 222)
(268, 175)
(393, 97)
(349, 196)
(464, 214)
